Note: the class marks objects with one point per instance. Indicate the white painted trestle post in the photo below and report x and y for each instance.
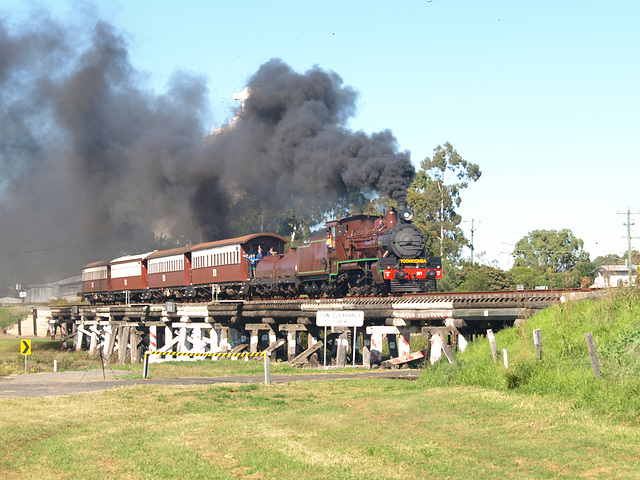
(291, 345)
(253, 342)
(77, 342)
(214, 341)
(462, 342)
(93, 342)
(404, 345)
(197, 342)
(107, 346)
(153, 338)
(224, 340)
(376, 348)
(63, 335)
(153, 344)
(168, 335)
(366, 349)
(436, 342)
(182, 335)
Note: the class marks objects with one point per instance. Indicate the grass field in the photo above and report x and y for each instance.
(470, 420)
(347, 429)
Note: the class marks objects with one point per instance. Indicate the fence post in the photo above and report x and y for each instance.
(492, 342)
(267, 368)
(145, 368)
(505, 357)
(537, 341)
(592, 354)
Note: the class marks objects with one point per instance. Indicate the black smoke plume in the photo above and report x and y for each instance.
(93, 162)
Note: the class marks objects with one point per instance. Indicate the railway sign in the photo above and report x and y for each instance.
(25, 349)
(340, 318)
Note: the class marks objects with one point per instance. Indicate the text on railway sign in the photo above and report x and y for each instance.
(340, 318)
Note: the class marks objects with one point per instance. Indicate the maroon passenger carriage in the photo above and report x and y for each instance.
(168, 272)
(186, 273)
(128, 278)
(224, 263)
(96, 279)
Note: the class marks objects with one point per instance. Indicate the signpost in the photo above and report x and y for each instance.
(25, 349)
(339, 318)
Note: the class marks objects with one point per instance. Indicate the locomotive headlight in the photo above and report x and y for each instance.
(407, 215)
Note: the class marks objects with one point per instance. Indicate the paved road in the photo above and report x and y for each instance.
(76, 383)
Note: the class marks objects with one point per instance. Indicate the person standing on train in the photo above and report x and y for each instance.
(251, 261)
(329, 241)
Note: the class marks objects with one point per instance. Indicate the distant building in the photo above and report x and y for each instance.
(9, 300)
(613, 276)
(66, 289)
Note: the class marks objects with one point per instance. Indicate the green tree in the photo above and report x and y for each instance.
(483, 278)
(613, 259)
(557, 251)
(529, 277)
(435, 196)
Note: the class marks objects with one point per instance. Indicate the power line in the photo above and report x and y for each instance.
(33, 251)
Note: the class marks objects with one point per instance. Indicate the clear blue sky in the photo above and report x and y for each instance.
(542, 95)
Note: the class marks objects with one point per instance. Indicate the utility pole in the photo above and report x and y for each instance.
(471, 244)
(472, 220)
(628, 224)
(629, 242)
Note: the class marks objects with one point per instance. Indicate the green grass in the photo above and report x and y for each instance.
(43, 352)
(565, 370)
(347, 429)
(470, 420)
(11, 315)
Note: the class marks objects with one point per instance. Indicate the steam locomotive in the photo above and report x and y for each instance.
(357, 255)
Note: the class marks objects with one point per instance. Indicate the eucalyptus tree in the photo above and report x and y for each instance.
(555, 250)
(435, 194)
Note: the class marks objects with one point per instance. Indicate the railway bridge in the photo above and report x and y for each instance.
(288, 329)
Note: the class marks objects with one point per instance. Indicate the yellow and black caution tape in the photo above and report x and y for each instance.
(148, 353)
(187, 354)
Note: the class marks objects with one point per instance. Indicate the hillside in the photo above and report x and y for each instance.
(565, 369)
